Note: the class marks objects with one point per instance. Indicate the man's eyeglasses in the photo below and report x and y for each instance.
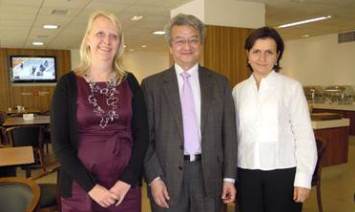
(183, 42)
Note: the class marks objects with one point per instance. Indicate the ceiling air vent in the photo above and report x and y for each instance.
(59, 12)
(346, 37)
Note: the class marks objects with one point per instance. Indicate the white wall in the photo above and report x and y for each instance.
(196, 7)
(140, 63)
(320, 61)
(144, 63)
(75, 58)
(314, 61)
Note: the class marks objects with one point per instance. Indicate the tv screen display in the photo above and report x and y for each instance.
(32, 69)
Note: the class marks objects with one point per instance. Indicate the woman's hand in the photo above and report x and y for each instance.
(300, 194)
(120, 189)
(102, 196)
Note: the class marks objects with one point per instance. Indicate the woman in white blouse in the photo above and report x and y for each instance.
(277, 153)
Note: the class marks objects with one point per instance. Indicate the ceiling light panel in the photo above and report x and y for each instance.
(137, 18)
(305, 21)
(50, 26)
(159, 32)
(37, 43)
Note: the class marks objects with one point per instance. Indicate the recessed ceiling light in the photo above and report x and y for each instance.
(131, 50)
(136, 18)
(305, 21)
(305, 36)
(159, 32)
(124, 46)
(144, 46)
(37, 43)
(50, 26)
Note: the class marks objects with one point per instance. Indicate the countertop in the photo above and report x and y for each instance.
(334, 107)
(323, 124)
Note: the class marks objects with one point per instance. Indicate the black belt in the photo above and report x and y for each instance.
(192, 158)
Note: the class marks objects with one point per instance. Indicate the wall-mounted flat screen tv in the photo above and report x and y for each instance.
(33, 69)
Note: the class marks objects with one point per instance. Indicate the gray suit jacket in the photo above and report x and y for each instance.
(164, 157)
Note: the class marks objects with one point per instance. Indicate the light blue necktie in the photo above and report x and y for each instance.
(189, 117)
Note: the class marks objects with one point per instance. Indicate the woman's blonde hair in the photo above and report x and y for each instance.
(85, 59)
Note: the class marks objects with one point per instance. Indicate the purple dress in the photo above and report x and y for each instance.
(105, 152)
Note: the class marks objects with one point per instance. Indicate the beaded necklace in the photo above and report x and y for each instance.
(111, 94)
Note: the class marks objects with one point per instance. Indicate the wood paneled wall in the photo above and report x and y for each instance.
(30, 96)
(224, 52)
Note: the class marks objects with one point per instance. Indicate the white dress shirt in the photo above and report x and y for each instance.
(196, 93)
(274, 128)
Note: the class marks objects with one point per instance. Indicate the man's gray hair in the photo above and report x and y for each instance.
(185, 20)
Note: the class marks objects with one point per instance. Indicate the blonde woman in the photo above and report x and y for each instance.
(99, 125)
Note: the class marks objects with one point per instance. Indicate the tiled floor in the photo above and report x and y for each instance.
(338, 187)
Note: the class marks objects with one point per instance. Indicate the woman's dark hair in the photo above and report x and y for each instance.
(263, 33)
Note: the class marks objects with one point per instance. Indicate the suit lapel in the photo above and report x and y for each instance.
(171, 92)
(206, 96)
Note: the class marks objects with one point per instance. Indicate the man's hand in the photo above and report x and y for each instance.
(120, 189)
(102, 196)
(228, 193)
(160, 193)
(300, 194)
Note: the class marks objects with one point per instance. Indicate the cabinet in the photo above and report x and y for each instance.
(337, 145)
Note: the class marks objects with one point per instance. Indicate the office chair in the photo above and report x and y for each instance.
(50, 198)
(28, 136)
(316, 179)
(3, 116)
(18, 194)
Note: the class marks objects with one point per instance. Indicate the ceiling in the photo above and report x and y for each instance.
(21, 21)
(285, 11)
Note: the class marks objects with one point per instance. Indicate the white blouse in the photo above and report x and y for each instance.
(274, 127)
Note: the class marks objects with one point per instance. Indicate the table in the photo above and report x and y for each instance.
(19, 121)
(42, 120)
(12, 156)
(20, 112)
(348, 111)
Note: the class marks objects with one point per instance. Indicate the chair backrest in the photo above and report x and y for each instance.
(18, 194)
(45, 113)
(321, 145)
(2, 117)
(24, 136)
(49, 191)
(2, 130)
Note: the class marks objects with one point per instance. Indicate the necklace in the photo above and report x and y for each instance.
(111, 99)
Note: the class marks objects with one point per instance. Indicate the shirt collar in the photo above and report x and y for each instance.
(193, 71)
(268, 80)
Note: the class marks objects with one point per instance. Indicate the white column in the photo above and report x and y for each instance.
(225, 12)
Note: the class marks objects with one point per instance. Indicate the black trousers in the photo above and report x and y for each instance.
(266, 191)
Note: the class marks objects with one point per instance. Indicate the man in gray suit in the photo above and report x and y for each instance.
(190, 164)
